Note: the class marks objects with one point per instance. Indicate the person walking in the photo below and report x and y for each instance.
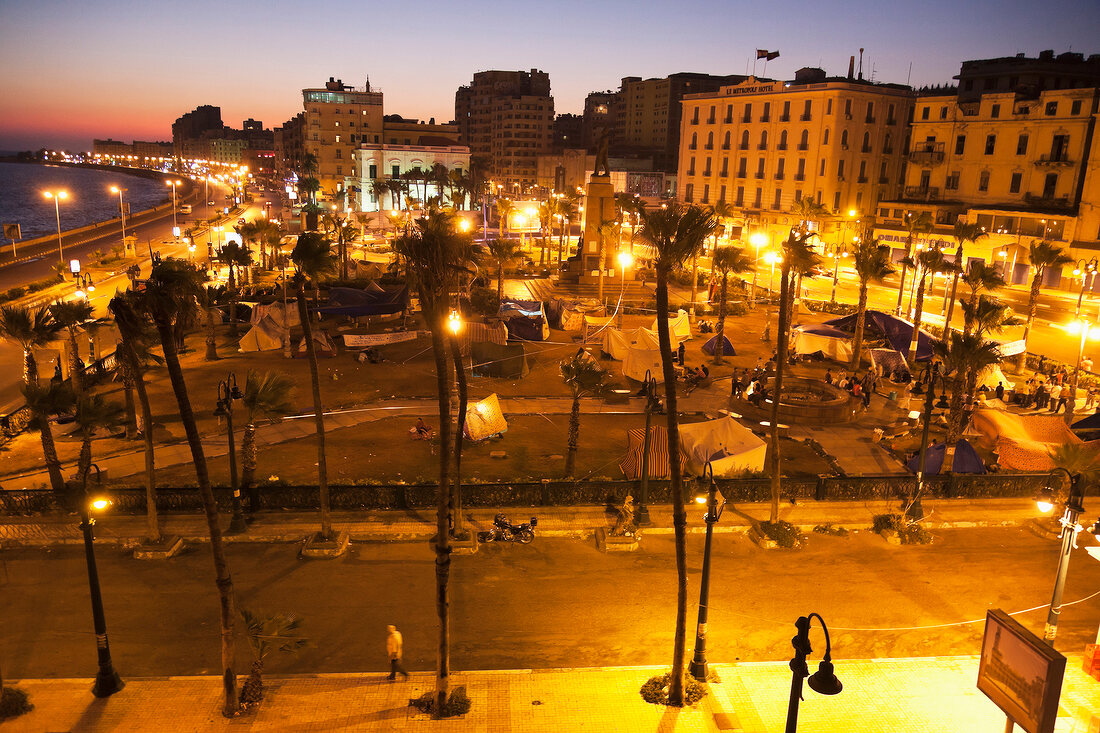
(1000, 391)
(1055, 397)
(681, 353)
(394, 644)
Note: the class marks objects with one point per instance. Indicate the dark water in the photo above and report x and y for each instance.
(90, 199)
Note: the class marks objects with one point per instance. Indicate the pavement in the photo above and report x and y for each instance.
(913, 695)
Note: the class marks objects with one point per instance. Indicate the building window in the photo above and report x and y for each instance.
(691, 166)
(995, 111)
(1021, 145)
(822, 171)
(373, 171)
(890, 115)
(943, 113)
(695, 120)
(758, 201)
(844, 139)
(952, 182)
(866, 148)
(706, 193)
(801, 175)
(710, 118)
(725, 169)
(765, 116)
(960, 144)
(786, 116)
(829, 106)
(983, 181)
(1075, 107)
(395, 172)
(782, 140)
(779, 169)
(763, 140)
(726, 141)
(924, 112)
(1051, 109)
(706, 167)
(870, 113)
(748, 113)
(688, 191)
(862, 171)
(729, 114)
(825, 137)
(804, 141)
(836, 201)
(990, 144)
(339, 170)
(797, 195)
(1050, 185)
(741, 167)
(710, 141)
(745, 140)
(1014, 185)
(806, 109)
(722, 194)
(839, 169)
(740, 200)
(694, 141)
(778, 199)
(847, 109)
(888, 146)
(760, 168)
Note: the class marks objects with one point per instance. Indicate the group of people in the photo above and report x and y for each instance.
(859, 387)
(1051, 395)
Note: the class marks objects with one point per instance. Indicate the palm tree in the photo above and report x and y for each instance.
(308, 188)
(987, 315)
(307, 164)
(378, 187)
(53, 399)
(211, 295)
(334, 224)
(268, 394)
(504, 208)
(31, 329)
(871, 262)
(1042, 255)
(93, 413)
(170, 296)
(235, 256)
(964, 357)
(964, 233)
(929, 261)
(585, 378)
(979, 277)
(725, 261)
(312, 257)
(436, 253)
(71, 315)
(921, 223)
(132, 351)
(502, 251)
(808, 211)
(675, 233)
(266, 634)
(567, 210)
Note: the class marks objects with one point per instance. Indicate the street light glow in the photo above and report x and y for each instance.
(626, 259)
(758, 239)
(100, 504)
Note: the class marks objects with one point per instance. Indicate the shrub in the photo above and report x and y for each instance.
(655, 690)
(13, 703)
(736, 308)
(484, 301)
(782, 533)
(829, 529)
(910, 532)
(458, 703)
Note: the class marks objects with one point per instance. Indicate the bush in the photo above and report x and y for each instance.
(458, 703)
(13, 703)
(782, 533)
(736, 308)
(829, 529)
(484, 301)
(910, 533)
(655, 689)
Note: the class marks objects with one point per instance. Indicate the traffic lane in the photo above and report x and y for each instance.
(554, 603)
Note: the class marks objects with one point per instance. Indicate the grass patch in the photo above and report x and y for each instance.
(458, 703)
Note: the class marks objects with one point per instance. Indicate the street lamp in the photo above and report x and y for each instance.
(1086, 329)
(715, 502)
(173, 184)
(931, 374)
(84, 285)
(757, 240)
(652, 404)
(107, 681)
(57, 196)
(823, 681)
(1085, 269)
(121, 212)
(625, 260)
(771, 258)
(227, 392)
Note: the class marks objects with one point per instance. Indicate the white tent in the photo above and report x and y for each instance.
(261, 337)
(991, 375)
(616, 343)
(729, 446)
(679, 327)
(323, 344)
(837, 349)
(484, 419)
(639, 360)
(281, 318)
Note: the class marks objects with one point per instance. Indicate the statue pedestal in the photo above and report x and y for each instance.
(599, 207)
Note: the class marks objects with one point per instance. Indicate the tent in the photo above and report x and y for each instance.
(631, 463)
(526, 319)
(269, 323)
(484, 419)
(1025, 442)
(966, 459)
(990, 376)
(568, 315)
(897, 332)
(322, 344)
(594, 327)
(474, 332)
(616, 343)
(507, 361)
(730, 447)
(679, 327)
(1092, 422)
(712, 345)
(888, 361)
(372, 300)
(281, 317)
(831, 342)
(261, 337)
(639, 359)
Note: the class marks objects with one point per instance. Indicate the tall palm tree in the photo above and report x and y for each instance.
(170, 295)
(235, 256)
(312, 257)
(725, 261)
(268, 394)
(72, 315)
(964, 357)
(1043, 256)
(920, 223)
(132, 351)
(436, 253)
(567, 210)
(44, 402)
(675, 233)
(504, 209)
(31, 328)
(336, 225)
(987, 315)
(980, 277)
(584, 377)
(378, 187)
(93, 413)
(928, 262)
(872, 263)
(308, 188)
(807, 211)
(502, 251)
(964, 232)
(211, 295)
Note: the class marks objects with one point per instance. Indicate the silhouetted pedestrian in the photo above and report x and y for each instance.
(394, 644)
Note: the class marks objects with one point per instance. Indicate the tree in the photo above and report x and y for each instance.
(378, 187)
(235, 256)
(44, 402)
(211, 295)
(979, 277)
(265, 634)
(336, 225)
(964, 233)
(808, 211)
(504, 208)
(71, 315)
(964, 358)
(725, 261)
(308, 188)
(987, 315)
(312, 258)
(928, 262)
(31, 328)
(93, 413)
(502, 251)
(920, 223)
(1042, 255)
(567, 211)
(675, 232)
(872, 263)
(170, 295)
(132, 353)
(585, 378)
(268, 394)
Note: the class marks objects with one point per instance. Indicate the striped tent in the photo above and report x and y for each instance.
(631, 463)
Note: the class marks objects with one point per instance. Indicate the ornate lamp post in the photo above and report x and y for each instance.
(715, 502)
(1085, 269)
(121, 212)
(107, 681)
(173, 184)
(931, 375)
(823, 681)
(227, 392)
(57, 196)
(757, 240)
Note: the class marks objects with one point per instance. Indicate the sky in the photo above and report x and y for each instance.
(125, 69)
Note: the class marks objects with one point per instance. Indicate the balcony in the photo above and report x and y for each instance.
(888, 151)
(866, 149)
(707, 172)
(805, 118)
(1054, 161)
(762, 146)
(693, 147)
(710, 120)
(891, 121)
(1047, 202)
(870, 120)
(779, 176)
(861, 179)
(785, 118)
(741, 174)
(803, 146)
(743, 146)
(765, 118)
(883, 180)
(760, 174)
(781, 146)
(728, 120)
(922, 193)
(746, 119)
(695, 120)
(927, 154)
(800, 176)
(708, 146)
(725, 173)
(691, 172)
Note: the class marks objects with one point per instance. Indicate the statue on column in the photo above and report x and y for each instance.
(601, 154)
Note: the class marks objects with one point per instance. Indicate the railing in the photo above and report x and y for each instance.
(924, 193)
(530, 493)
(1054, 160)
(1060, 202)
(927, 154)
(16, 422)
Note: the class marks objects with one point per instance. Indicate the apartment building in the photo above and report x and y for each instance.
(338, 118)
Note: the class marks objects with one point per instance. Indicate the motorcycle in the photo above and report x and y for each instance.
(504, 531)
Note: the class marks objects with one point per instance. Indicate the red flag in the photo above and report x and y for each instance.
(761, 53)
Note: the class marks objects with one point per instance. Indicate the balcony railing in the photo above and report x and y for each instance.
(781, 146)
(861, 179)
(760, 174)
(762, 146)
(803, 146)
(779, 176)
(926, 154)
(1056, 202)
(922, 193)
(1060, 160)
(806, 118)
(800, 176)
(784, 118)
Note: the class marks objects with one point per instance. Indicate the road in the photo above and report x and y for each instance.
(554, 603)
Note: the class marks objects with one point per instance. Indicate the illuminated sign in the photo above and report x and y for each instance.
(1020, 674)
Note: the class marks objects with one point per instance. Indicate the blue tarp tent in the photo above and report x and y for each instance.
(897, 332)
(526, 319)
(372, 301)
(966, 459)
(712, 345)
(1092, 422)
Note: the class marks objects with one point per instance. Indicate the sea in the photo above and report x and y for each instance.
(90, 199)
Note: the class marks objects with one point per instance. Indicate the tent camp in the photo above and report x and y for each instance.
(712, 345)
(616, 343)
(991, 376)
(679, 327)
(631, 463)
(594, 327)
(830, 342)
(730, 447)
(505, 361)
(888, 361)
(640, 359)
(897, 332)
(261, 338)
(1025, 442)
(568, 315)
(322, 344)
(269, 323)
(526, 319)
(372, 300)
(966, 459)
(475, 332)
(484, 419)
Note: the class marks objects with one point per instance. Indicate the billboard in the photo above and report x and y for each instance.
(649, 185)
(1020, 674)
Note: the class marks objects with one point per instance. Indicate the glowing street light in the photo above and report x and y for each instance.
(173, 184)
(771, 258)
(121, 212)
(57, 196)
(454, 322)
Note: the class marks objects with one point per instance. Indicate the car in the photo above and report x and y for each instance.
(241, 220)
(211, 203)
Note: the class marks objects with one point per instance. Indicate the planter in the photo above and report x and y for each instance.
(762, 540)
(166, 548)
(606, 542)
(318, 548)
(891, 536)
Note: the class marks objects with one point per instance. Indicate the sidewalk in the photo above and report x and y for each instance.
(925, 695)
(578, 522)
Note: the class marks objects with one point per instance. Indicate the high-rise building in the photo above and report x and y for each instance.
(602, 110)
(289, 143)
(568, 132)
(192, 126)
(338, 118)
(507, 117)
(1027, 76)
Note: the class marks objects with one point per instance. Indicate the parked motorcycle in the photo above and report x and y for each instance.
(504, 531)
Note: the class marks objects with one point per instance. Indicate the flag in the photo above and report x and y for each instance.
(772, 55)
(761, 53)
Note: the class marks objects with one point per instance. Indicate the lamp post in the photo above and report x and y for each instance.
(838, 248)
(625, 260)
(227, 392)
(823, 681)
(121, 212)
(757, 240)
(107, 681)
(715, 502)
(652, 403)
(931, 373)
(1086, 328)
(173, 184)
(57, 196)
(771, 258)
(84, 285)
(1085, 269)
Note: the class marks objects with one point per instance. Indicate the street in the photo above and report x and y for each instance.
(552, 604)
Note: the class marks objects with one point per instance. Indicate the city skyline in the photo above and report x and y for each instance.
(80, 84)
